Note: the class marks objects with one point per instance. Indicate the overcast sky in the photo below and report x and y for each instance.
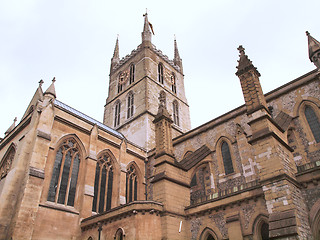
(74, 41)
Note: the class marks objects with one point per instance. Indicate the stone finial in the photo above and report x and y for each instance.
(244, 63)
(314, 50)
(51, 89)
(40, 83)
(162, 100)
(176, 59)
(146, 33)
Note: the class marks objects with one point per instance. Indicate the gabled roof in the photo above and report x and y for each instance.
(194, 158)
(86, 118)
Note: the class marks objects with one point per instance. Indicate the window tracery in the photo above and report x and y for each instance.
(131, 185)
(103, 184)
(131, 77)
(65, 173)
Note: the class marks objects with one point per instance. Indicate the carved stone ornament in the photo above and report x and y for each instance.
(6, 164)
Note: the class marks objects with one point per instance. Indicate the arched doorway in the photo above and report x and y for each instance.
(208, 234)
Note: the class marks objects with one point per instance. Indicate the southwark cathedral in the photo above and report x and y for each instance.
(143, 173)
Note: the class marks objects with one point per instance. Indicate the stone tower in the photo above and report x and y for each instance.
(135, 83)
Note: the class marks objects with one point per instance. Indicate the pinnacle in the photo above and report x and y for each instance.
(244, 62)
(51, 89)
(313, 45)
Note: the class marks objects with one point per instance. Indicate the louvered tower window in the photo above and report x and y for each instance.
(65, 173)
(117, 114)
(173, 82)
(131, 78)
(103, 184)
(131, 185)
(176, 113)
(160, 73)
(313, 122)
(130, 105)
(226, 156)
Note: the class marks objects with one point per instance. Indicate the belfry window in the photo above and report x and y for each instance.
(131, 185)
(131, 77)
(160, 73)
(313, 122)
(103, 184)
(65, 173)
(227, 160)
(173, 82)
(175, 113)
(130, 105)
(117, 114)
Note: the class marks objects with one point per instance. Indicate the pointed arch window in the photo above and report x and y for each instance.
(173, 82)
(160, 73)
(313, 122)
(65, 173)
(226, 156)
(121, 81)
(130, 105)
(131, 77)
(131, 185)
(176, 113)
(117, 114)
(103, 184)
(6, 162)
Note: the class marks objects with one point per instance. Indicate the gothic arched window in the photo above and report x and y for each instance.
(6, 162)
(121, 81)
(160, 73)
(131, 185)
(130, 105)
(117, 114)
(313, 122)
(176, 113)
(131, 77)
(103, 184)
(226, 156)
(65, 173)
(173, 82)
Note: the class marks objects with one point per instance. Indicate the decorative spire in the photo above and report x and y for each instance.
(176, 59)
(314, 50)
(51, 89)
(115, 59)
(245, 63)
(11, 127)
(146, 33)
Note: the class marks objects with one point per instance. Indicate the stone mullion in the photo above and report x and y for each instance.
(60, 175)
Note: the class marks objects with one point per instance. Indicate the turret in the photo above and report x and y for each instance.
(115, 59)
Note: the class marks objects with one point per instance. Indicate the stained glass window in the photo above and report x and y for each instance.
(65, 174)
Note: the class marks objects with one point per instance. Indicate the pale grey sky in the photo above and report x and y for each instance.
(74, 41)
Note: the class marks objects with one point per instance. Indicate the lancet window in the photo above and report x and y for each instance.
(131, 184)
(103, 184)
(313, 122)
(176, 113)
(131, 77)
(117, 114)
(130, 105)
(160, 73)
(173, 82)
(226, 156)
(65, 173)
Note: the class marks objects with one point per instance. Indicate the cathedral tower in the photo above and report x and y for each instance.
(135, 83)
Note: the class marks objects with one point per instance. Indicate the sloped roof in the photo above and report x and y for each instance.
(87, 118)
(192, 159)
(283, 120)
